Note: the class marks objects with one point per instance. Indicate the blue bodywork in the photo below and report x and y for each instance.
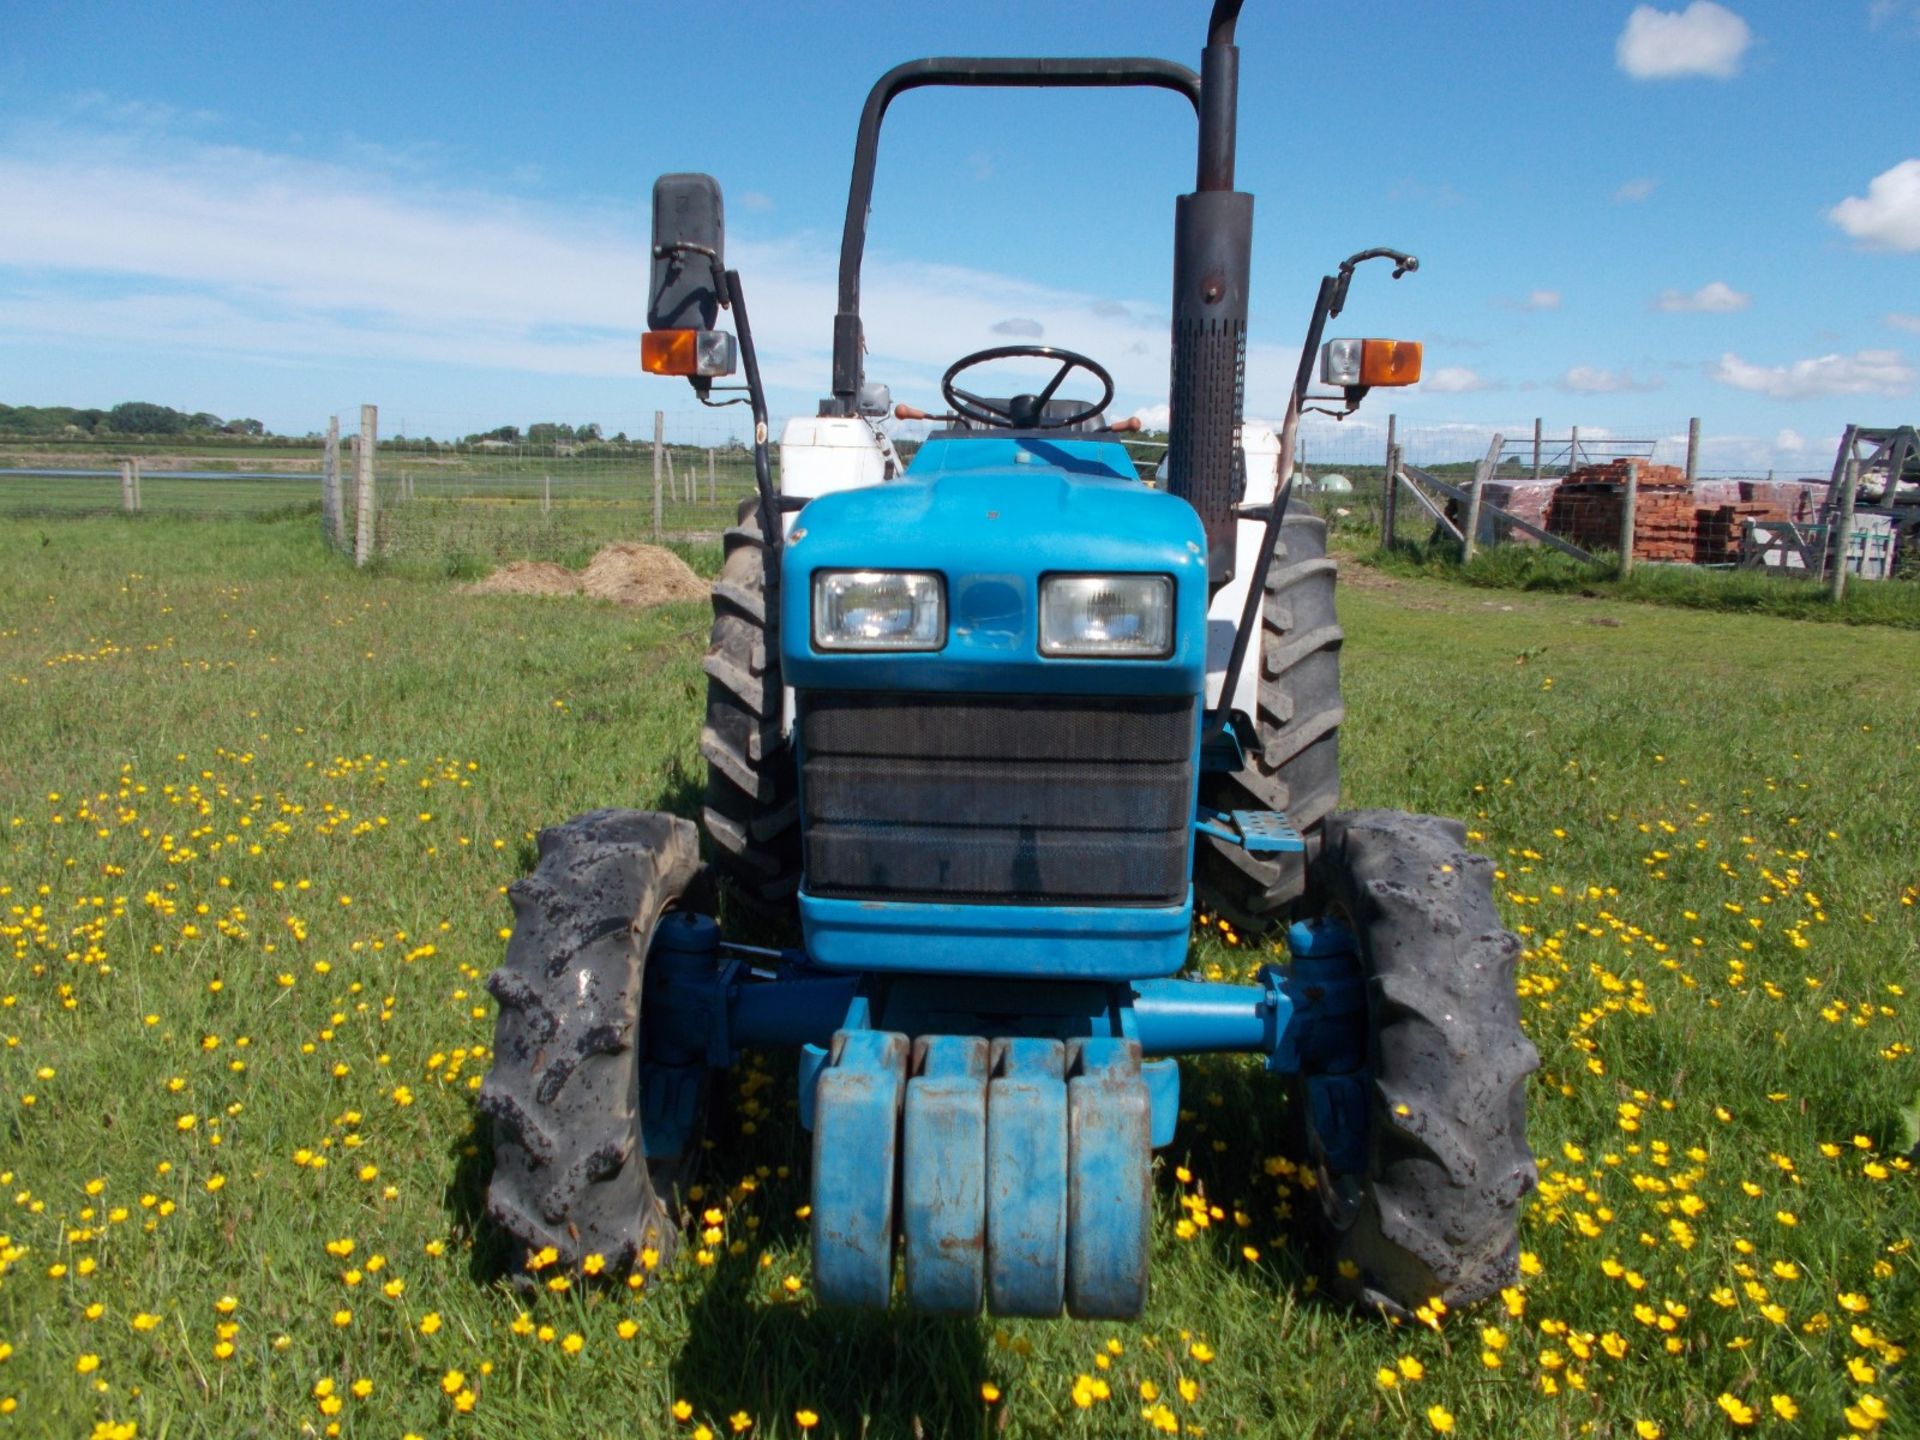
(1020, 1116)
(992, 515)
(986, 1082)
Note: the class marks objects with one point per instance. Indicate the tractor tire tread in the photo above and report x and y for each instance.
(568, 1169)
(1449, 1165)
(1295, 766)
(751, 810)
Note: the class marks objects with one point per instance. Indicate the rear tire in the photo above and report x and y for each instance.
(1296, 765)
(752, 810)
(1437, 1211)
(569, 1164)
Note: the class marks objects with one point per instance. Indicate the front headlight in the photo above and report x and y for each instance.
(878, 610)
(1107, 616)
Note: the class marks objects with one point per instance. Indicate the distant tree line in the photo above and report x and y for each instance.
(547, 432)
(139, 419)
(132, 417)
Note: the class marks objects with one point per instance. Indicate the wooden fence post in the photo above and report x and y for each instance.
(1387, 488)
(1629, 501)
(1842, 538)
(1536, 447)
(546, 494)
(1471, 535)
(126, 486)
(1693, 449)
(673, 481)
(363, 483)
(332, 520)
(659, 434)
(712, 494)
(1390, 501)
(1573, 449)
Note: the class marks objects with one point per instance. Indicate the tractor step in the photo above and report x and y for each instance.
(1258, 832)
(1024, 1171)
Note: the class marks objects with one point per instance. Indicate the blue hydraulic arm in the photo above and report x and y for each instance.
(704, 1006)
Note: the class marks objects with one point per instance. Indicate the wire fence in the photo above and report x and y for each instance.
(446, 493)
(69, 485)
(551, 503)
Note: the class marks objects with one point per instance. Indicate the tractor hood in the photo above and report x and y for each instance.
(992, 516)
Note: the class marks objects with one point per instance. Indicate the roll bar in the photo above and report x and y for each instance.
(1013, 72)
(1212, 259)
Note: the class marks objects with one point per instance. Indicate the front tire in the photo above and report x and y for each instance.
(752, 809)
(1295, 766)
(1436, 1212)
(570, 1169)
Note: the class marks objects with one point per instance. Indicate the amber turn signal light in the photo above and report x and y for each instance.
(1351, 363)
(1389, 362)
(687, 352)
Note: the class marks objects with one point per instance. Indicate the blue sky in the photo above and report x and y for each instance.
(1626, 214)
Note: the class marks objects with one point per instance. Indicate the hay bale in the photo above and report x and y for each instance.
(528, 577)
(628, 573)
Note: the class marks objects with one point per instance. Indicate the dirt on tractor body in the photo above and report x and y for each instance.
(624, 572)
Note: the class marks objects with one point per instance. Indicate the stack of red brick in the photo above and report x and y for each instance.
(1668, 522)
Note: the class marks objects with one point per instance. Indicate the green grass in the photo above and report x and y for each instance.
(256, 814)
(452, 514)
(1538, 568)
(66, 497)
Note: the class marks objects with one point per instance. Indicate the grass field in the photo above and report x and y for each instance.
(458, 511)
(258, 813)
(1538, 569)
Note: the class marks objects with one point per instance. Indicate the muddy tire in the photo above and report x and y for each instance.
(569, 1167)
(752, 810)
(1437, 1211)
(1296, 765)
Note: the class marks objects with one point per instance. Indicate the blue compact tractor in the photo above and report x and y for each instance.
(985, 728)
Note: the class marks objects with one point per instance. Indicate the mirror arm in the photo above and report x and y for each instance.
(772, 532)
(1327, 304)
(1403, 263)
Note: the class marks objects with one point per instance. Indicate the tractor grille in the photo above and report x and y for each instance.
(1010, 800)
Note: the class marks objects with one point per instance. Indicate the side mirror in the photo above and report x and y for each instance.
(689, 282)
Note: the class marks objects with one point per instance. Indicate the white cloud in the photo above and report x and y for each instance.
(1887, 217)
(1703, 39)
(1901, 13)
(1789, 453)
(254, 255)
(1018, 326)
(1866, 372)
(1454, 380)
(755, 200)
(1591, 380)
(1716, 297)
(1636, 190)
(1532, 300)
(1904, 322)
(1154, 417)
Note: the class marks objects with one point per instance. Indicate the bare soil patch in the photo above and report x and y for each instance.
(1355, 576)
(624, 572)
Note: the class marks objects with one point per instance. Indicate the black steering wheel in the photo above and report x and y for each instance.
(1024, 412)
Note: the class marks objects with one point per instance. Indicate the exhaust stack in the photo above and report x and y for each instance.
(1212, 259)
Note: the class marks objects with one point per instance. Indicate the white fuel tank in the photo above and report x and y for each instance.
(820, 454)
